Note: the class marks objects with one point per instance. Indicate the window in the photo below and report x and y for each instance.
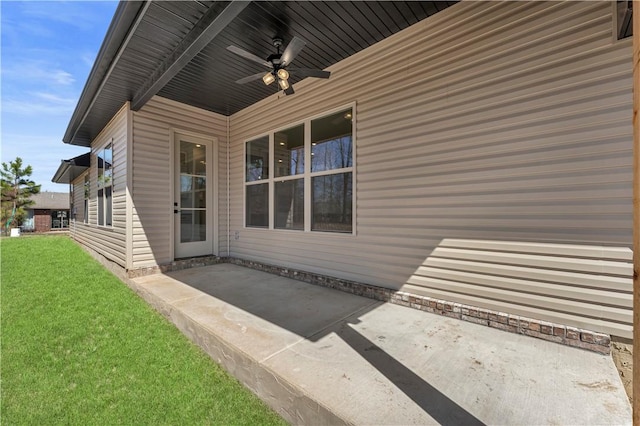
(257, 193)
(105, 186)
(623, 14)
(85, 206)
(301, 178)
(289, 155)
(332, 153)
(59, 219)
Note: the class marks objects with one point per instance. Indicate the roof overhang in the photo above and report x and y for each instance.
(70, 169)
(178, 50)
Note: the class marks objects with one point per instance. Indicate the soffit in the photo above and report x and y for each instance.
(333, 30)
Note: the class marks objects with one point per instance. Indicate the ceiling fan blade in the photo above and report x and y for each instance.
(253, 77)
(289, 91)
(310, 72)
(292, 50)
(247, 55)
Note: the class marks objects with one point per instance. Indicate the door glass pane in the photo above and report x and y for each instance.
(193, 191)
(186, 194)
(192, 159)
(290, 204)
(193, 226)
(332, 142)
(331, 203)
(289, 151)
(257, 161)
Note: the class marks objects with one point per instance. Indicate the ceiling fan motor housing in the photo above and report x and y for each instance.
(275, 60)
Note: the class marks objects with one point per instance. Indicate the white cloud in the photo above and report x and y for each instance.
(37, 72)
(88, 59)
(77, 14)
(38, 103)
(62, 77)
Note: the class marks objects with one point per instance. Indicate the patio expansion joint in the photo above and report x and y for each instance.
(173, 303)
(322, 330)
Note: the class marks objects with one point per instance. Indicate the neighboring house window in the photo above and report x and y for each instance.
(59, 219)
(311, 171)
(105, 186)
(85, 206)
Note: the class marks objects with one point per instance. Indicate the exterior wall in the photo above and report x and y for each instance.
(152, 181)
(108, 241)
(77, 202)
(489, 121)
(78, 198)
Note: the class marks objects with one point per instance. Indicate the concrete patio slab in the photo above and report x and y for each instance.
(320, 356)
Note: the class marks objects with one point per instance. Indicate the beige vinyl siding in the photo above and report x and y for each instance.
(578, 285)
(110, 241)
(78, 198)
(487, 122)
(152, 181)
(78, 203)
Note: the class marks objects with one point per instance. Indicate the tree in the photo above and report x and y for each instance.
(16, 190)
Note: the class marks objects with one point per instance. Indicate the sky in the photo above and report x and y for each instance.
(47, 51)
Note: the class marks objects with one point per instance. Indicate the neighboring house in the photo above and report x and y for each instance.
(50, 211)
(475, 156)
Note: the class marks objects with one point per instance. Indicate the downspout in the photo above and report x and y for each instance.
(228, 187)
(72, 202)
(636, 212)
(70, 207)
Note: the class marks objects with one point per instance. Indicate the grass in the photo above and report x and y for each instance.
(79, 347)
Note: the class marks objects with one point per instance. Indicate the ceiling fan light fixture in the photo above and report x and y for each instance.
(284, 84)
(283, 74)
(268, 78)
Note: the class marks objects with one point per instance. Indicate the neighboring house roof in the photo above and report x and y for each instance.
(72, 168)
(178, 50)
(50, 200)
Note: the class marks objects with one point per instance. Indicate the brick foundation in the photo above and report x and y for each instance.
(558, 333)
(176, 265)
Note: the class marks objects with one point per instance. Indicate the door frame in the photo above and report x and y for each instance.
(212, 199)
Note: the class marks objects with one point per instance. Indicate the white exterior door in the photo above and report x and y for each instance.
(194, 202)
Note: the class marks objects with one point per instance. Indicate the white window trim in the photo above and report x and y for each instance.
(307, 176)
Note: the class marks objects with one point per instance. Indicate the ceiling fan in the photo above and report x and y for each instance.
(278, 63)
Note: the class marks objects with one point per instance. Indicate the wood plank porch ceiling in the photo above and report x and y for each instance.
(144, 36)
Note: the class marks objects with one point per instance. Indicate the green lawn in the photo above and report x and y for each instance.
(79, 347)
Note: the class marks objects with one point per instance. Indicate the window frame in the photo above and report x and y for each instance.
(307, 176)
(86, 196)
(108, 145)
(615, 30)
